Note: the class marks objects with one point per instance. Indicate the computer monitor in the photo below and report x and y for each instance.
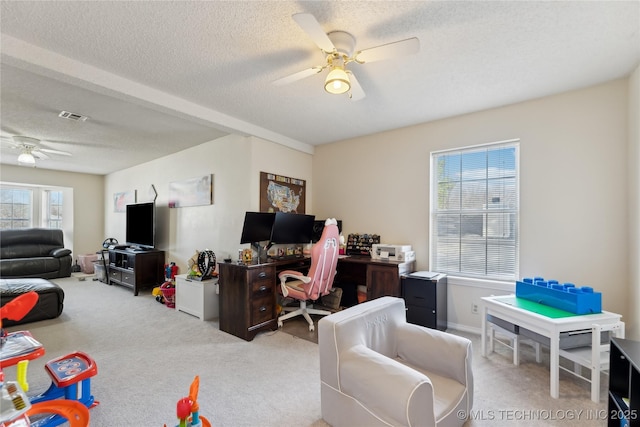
(257, 227)
(291, 228)
(318, 227)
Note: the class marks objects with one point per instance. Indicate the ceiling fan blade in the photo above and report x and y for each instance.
(297, 76)
(39, 155)
(48, 150)
(356, 93)
(7, 141)
(310, 25)
(389, 50)
(21, 140)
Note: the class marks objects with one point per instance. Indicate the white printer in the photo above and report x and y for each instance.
(402, 253)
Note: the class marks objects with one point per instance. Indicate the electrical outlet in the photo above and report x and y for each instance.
(474, 308)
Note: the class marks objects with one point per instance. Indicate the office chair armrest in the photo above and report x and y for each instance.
(386, 387)
(292, 274)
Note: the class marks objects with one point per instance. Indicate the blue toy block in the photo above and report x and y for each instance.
(566, 296)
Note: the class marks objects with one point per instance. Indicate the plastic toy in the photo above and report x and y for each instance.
(71, 411)
(170, 271)
(168, 290)
(70, 374)
(17, 308)
(567, 297)
(202, 265)
(189, 406)
(157, 292)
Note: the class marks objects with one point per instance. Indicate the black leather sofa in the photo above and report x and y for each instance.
(50, 298)
(34, 252)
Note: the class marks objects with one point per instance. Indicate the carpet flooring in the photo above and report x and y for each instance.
(148, 354)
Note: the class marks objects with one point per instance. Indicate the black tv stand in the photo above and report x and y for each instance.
(136, 270)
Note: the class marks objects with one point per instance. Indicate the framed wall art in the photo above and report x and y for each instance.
(122, 199)
(191, 192)
(282, 194)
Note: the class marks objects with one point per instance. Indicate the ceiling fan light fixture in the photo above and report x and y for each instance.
(337, 81)
(26, 159)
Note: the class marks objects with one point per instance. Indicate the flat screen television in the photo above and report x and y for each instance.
(291, 228)
(318, 227)
(141, 225)
(257, 227)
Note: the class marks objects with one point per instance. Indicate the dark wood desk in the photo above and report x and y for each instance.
(381, 278)
(247, 292)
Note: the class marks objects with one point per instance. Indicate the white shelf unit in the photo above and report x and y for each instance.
(198, 298)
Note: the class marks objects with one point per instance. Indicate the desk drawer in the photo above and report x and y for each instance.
(421, 293)
(129, 277)
(507, 326)
(568, 340)
(262, 287)
(422, 316)
(115, 274)
(261, 309)
(261, 275)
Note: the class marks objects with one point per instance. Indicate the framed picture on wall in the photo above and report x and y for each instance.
(282, 194)
(191, 192)
(122, 199)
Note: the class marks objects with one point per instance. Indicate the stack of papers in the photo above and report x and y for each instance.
(424, 274)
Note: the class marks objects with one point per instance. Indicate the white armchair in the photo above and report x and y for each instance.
(378, 370)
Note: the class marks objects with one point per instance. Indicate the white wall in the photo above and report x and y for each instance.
(633, 322)
(573, 160)
(278, 159)
(87, 230)
(235, 162)
(579, 191)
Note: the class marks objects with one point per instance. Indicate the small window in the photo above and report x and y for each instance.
(53, 209)
(16, 208)
(474, 211)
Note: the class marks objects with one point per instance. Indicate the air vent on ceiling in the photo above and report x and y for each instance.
(73, 116)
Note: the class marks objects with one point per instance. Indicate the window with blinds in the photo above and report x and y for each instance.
(474, 211)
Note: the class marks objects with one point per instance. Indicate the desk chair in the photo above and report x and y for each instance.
(319, 279)
(595, 357)
(512, 341)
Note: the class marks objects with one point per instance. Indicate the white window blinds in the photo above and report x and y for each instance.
(474, 211)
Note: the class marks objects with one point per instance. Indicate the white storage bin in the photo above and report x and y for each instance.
(198, 298)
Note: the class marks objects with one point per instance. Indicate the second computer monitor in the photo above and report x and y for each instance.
(257, 227)
(291, 228)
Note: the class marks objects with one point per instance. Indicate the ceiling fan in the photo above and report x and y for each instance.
(339, 50)
(31, 149)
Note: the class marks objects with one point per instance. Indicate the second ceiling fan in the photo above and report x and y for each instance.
(30, 149)
(339, 50)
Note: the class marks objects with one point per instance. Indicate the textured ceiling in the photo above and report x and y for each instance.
(157, 77)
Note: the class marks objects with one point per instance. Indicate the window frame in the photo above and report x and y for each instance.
(12, 220)
(48, 205)
(39, 205)
(513, 220)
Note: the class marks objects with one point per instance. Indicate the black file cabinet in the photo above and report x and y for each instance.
(426, 299)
